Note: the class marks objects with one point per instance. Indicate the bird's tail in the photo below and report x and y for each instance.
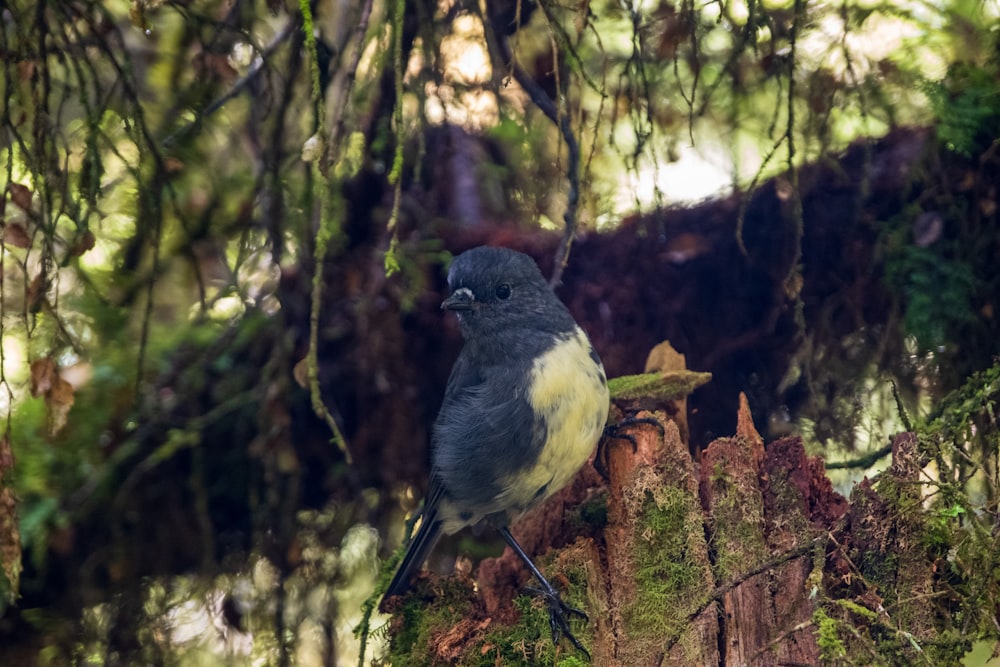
(420, 546)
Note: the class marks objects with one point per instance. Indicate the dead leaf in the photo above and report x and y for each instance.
(61, 392)
(686, 246)
(43, 372)
(783, 189)
(62, 540)
(26, 69)
(663, 357)
(137, 15)
(449, 644)
(967, 182)
(16, 235)
(793, 284)
(59, 401)
(173, 165)
(20, 195)
(84, 242)
(927, 228)
(214, 65)
(301, 372)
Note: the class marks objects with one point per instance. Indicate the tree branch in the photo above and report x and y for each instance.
(547, 106)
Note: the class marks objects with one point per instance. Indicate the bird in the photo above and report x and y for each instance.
(525, 405)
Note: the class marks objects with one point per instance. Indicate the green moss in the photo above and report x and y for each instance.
(533, 635)
(427, 615)
(948, 648)
(858, 609)
(880, 568)
(573, 661)
(592, 512)
(872, 638)
(738, 549)
(664, 386)
(670, 580)
(788, 504)
(423, 617)
(528, 642)
(737, 523)
(738, 540)
(828, 637)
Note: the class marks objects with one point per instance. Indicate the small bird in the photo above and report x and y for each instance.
(525, 405)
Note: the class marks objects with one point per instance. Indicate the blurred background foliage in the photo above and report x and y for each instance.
(205, 434)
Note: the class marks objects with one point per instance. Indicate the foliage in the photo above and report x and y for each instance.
(948, 516)
(826, 635)
(939, 248)
(938, 290)
(966, 102)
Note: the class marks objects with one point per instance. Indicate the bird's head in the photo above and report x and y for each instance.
(498, 289)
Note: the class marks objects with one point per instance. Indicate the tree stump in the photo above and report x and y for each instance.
(741, 556)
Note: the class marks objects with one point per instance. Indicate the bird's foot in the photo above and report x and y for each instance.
(613, 432)
(559, 613)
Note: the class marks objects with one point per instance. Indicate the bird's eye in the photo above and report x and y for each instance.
(503, 292)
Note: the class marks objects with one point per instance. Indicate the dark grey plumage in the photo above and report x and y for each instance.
(524, 406)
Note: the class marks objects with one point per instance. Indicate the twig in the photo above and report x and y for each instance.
(721, 590)
(866, 461)
(780, 559)
(324, 235)
(352, 75)
(252, 73)
(905, 418)
(395, 177)
(804, 625)
(548, 107)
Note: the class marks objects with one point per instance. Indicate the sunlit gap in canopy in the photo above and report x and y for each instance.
(463, 97)
(838, 55)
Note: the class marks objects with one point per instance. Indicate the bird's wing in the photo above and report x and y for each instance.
(463, 377)
(420, 545)
(486, 432)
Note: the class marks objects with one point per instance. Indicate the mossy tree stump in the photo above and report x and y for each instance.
(744, 556)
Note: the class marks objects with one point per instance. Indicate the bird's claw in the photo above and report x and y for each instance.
(559, 612)
(613, 431)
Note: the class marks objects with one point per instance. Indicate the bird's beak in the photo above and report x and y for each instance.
(461, 299)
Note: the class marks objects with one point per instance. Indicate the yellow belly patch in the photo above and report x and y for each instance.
(569, 389)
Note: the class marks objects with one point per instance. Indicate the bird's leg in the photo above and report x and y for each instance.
(613, 432)
(558, 610)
